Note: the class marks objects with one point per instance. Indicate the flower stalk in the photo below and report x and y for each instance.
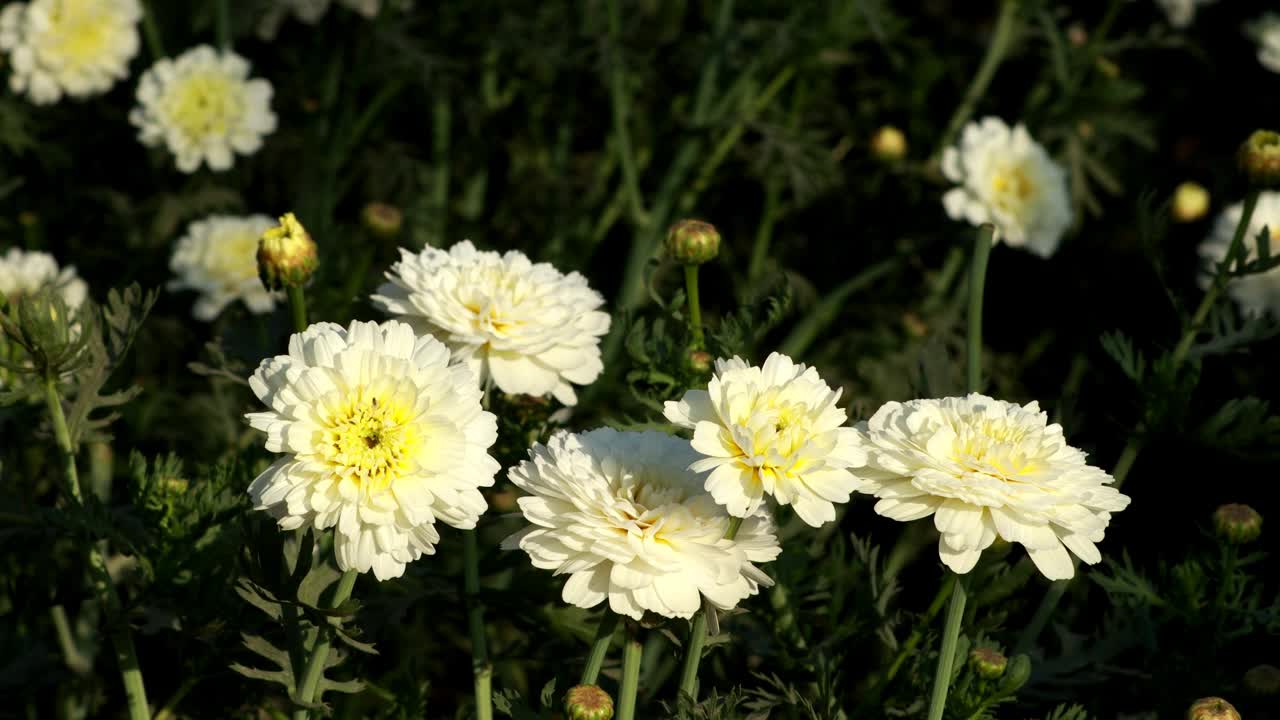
(298, 308)
(632, 653)
(947, 655)
(999, 47)
(482, 669)
(319, 652)
(693, 655)
(695, 307)
(599, 648)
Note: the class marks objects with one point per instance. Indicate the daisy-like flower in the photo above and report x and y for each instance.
(621, 514)
(1266, 31)
(529, 327)
(23, 273)
(1260, 292)
(1007, 179)
(771, 430)
(203, 107)
(382, 436)
(984, 469)
(218, 258)
(78, 48)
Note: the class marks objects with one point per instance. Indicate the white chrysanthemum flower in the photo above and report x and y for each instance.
(1260, 292)
(311, 11)
(621, 514)
(218, 258)
(23, 273)
(1007, 179)
(529, 327)
(1180, 13)
(77, 48)
(1266, 31)
(382, 435)
(771, 430)
(203, 107)
(984, 469)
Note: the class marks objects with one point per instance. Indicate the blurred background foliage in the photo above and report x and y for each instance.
(576, 132)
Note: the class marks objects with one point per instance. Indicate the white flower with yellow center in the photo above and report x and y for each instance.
(382, 436)
(218, 258)
(984, 469)
(1260, 292)
(204, 108)
(771, 430)
(1008, 180)
(621, 514)
(23, 273)
(77, 48)
(529, 327)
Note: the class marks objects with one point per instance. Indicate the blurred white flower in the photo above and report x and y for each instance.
(382, 436)
(1007, 179)
(218, 258)
(1180, 13)
(621, 514)
(1258, 293)
(203, 107)
(529, 327)
(771, 430)
(77, 48)
(1266, 31)
(984, 469)
(311, 11)
(23, 272)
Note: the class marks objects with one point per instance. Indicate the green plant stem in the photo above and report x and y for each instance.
(224, 24)
(482, 669)
(1044, 612)
(76, 661)
(732, 531)
(599, 648)
(693, 656)
(977, 283)
(103, 586)
(764, 231)
(632, 653)
(996, 51)
(826, 312)
(168, 711)
(151, 31)
(695, 306)
(319, 654)
(620, 105)
(908, 647)
(298, 308)
(947, 655)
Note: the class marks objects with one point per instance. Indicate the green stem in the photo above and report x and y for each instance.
(619, 103)
(732, 531)
(76, 661)
(695, 308)
(224, 24)
(817, 320)
(947, 655)
(314, 670)
(151, 31)
(632, 653)
(103, 586)
(599, 648)
(298, 308)
(1044, 611)
(764, 231)
(482, 669)
(917, 634)
(693, 656)
(942, 281)
(977, 283)
(1005, 24)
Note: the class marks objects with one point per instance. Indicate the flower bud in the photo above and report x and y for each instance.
(1212, 708)
(693, 242)
(889, 144)
(382, 219)
(286, 255)
(587, 702)
(988, 662)
(1262, 681)
(1190, 202)
(700, 361)
(1260, 159)
(49, 331)
(1237, 523)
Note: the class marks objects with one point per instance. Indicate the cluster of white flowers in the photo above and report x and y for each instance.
(203, 107)
(1266, 31)
(526, 326)
(24, 272)
(1007, 179)
(1259, 292)
(77, 48)
(218, 259)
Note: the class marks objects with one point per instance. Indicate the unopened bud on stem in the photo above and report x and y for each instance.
(286, 255)
(889, 144)
(989, 663)
(382, 219)
(693, 242)
(1237, 524)
(1212, 708)
(1260, 159)
(587, 702)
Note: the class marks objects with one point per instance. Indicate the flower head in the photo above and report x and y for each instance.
(1237, 523)
(771, 430)
(693, 242)
(218, 259)
(204, 108)
(23, 273)
(1212, 708)
(984, 469)
(587, 702)
(529, 327)
(989, 662)
(621, 514)
(77, 48)
(1007, 179)
(286, 254)
(1259, 292)
(1260, 159)
(382, 219)
(382, 436)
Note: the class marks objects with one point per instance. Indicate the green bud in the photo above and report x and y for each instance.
(1017, 675)
(382, 219)
(1237, 523)
(48, 330)
(587, 702)
(1212, 708)
(693, 242)
(1260, 159)
(286, 255)
(1262, 681)
(700, 361)
(988, 662)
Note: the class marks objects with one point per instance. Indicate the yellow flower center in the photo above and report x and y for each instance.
(78, 35)
(1011, 188)
(994, 447)
(371, 440)
(232, 258)
(205, 103)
